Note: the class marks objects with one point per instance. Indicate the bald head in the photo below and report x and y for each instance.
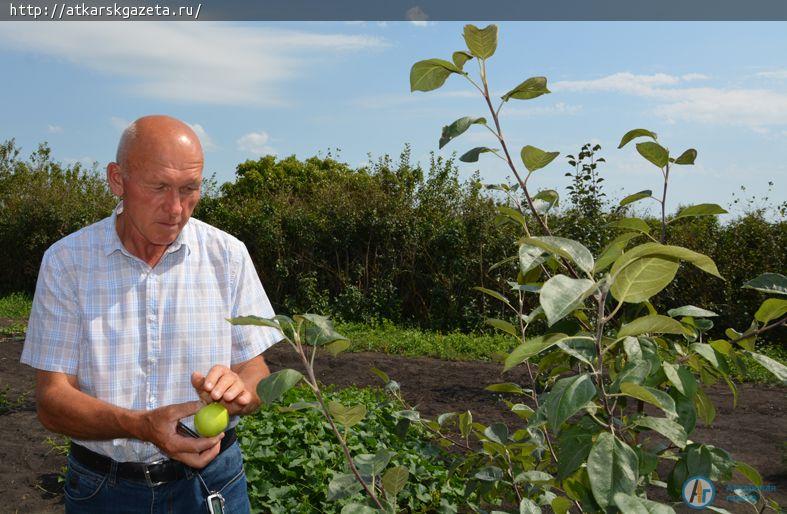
(155, 135)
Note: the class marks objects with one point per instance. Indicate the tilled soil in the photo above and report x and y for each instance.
(753, 432)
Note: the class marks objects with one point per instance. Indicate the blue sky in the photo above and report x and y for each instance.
(306, 88)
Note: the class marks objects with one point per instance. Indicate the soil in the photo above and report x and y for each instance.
(753, 432)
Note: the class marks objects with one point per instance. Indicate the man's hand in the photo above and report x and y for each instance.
(160, 428)
(224, 385)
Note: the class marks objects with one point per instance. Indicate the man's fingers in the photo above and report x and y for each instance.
(197, 380)
(182, 410)
(225, 382)
(234, 391)
(213, 377)
(198, 460)
(193, 445)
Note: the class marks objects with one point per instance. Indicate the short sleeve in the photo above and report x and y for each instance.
(250, 299)
(54, 327)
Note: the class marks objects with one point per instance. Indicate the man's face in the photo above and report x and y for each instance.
(160, 191)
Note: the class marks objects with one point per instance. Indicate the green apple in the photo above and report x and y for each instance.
(211, 420)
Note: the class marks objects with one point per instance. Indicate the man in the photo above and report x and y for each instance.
(128, 331)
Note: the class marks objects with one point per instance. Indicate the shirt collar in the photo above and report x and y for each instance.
(112, 242)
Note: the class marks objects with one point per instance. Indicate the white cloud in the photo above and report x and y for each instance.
(694, 76)
(54, 129)
(255, 143)
(207, 63)
(753, 108)
(544, 110)
(207, 143)
(774, 74)
(118, 123)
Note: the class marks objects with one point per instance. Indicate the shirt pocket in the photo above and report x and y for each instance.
(82, 483)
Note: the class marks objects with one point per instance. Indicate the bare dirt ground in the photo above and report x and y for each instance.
(754, 432)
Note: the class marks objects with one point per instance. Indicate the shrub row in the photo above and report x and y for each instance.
(388, 241)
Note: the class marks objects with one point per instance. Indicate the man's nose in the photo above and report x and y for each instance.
(174, 204)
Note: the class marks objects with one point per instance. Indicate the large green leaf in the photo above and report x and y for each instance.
(535, 158)
(651, 324)
(347, 416)
(530, 348)
(654, 153)
(545, 200)
(394, 480)
(529, 257)
(613, 250)
(561, 295)
(482, 43)
(768, 283)
(573, 446)
(652, 396)
(531, 88)
(778, 369)
(635, 133)
(472, 155)
(703, 209)
(633, 224)
(647, 193)
(772, 308)
(528, 506)
(630, 504)
(612, 468)
(369, 464)
(643, 278)
(666, 427)
(699, 260)
(494, 294)
(343, 485)
(563, 247)
(633, 372)
(317, 330)
(458, 127)
(358, 508)
(681, 377)
(503, 325)
(691, 310)
(710, 355)
(567, 397)
(431, 74)
(687, 413)
(272, 387)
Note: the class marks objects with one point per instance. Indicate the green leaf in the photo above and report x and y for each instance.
(460, 58)
(545, 200)
(768, 283)
(529, 257)
(573, 446)
(680, 377)
(505, 326)
(465, 423)
(431, 74)
(666, 427)
(749, 472)
(613, 251)
(687, 413)
(530, 348)
(394, 480)
(531, 88)
(690, 310)
(493, 294)
(709, 354)
(337, 347)
(633, 134)
(272, 387)
(699, 260)
(647, 193)
(612, 468)
(651, 324)
(533, 475)
(472, 155)
(650, 395)
(561, 505)
(567, 248)
(535, 158)
(373, 464)
(567, 397)
(581, 349)
(687, 157)
(317, 330)
(633, 372)
(497, 432)
(703, 209)
(343, 485)
(772, 308)
(358, 508)
(527, 506)
(778, 369)
(561, 295)
(636, 224)
(505, 387)
(482, 43)
(381, 374)
(654, 153)
(631, 504)
(704, 406)
(643, 278)
(489, 474)
(347, 416)
(458, 128)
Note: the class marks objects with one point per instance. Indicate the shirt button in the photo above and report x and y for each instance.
(152, 317)
(152, 360)
(152, 400)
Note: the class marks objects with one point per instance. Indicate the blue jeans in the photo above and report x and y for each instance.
(88, 492)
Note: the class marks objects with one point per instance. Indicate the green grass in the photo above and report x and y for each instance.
(411, 342)
(15, 305)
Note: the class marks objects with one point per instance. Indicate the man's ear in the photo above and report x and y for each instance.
(115, 178)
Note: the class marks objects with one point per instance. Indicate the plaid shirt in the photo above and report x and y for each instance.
(133, 334)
